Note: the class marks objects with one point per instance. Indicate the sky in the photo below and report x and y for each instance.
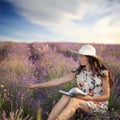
(83, 21)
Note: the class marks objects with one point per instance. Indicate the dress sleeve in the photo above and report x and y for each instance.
(105, 73)
(75, 70)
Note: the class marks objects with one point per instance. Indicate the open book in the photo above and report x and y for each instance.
(72, 92)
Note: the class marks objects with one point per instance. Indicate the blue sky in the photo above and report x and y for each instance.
(90, 21)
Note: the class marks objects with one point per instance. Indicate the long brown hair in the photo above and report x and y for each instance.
(96, 67)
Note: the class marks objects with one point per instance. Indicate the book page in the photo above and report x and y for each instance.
(76, 91)
(66, 93)
(72, 92)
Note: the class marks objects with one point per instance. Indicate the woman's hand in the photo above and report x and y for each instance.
(31, 86)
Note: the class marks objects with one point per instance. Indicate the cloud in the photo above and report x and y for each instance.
(54, 11)
(95, 19)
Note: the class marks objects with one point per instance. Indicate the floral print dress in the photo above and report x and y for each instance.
(92, 85)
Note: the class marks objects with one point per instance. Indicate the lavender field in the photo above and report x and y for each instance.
(23, 63)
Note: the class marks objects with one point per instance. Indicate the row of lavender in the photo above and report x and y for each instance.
(23, 63)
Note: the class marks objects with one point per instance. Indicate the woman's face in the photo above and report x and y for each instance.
(83, 60)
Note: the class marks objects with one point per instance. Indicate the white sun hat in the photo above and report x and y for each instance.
(88, 50)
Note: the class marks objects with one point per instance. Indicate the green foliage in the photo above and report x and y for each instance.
(39, 114)
(15, 115)
(69, 85)
(1, 101)
(5, 49)
(114, 100)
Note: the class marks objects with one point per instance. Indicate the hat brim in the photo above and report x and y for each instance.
(84, 54)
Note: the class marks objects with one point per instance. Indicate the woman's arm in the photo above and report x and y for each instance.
(54, 82)
(106, 91)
